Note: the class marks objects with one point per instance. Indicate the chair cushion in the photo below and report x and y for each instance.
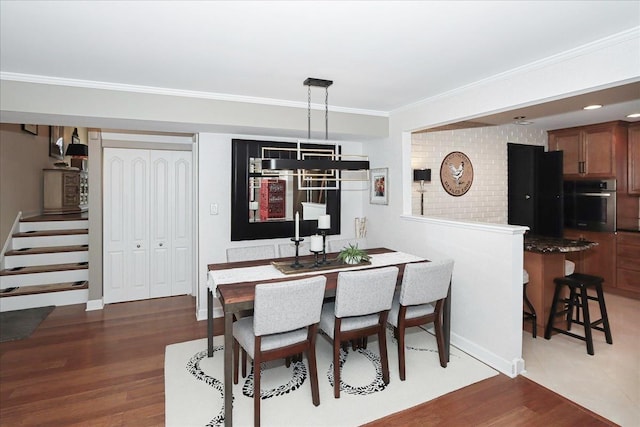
(327, 321)
(413, 311)
(243, 333)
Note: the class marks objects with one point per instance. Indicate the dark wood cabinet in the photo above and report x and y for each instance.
(535, 189)
(634, 159)
(628, 262)
(593, 151)
(599, 260)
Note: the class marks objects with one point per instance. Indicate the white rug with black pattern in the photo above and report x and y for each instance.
(194, 384)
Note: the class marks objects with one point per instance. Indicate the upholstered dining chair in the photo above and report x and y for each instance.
(284, 323)
(250, 253)
(339, 244)
(360, 309)
(289, 249)
(423, 284)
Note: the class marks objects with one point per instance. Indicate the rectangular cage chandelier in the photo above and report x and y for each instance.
(312, 165)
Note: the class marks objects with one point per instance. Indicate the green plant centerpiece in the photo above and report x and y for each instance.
(353, 255)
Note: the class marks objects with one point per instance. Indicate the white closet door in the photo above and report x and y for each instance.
(171, 226)
(126, 229)
(181, 226)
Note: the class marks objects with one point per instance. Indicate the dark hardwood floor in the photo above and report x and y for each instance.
(106, 368)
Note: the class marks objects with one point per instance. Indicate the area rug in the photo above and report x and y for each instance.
(20, 324)
(194, 384)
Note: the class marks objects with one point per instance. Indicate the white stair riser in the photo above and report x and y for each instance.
(53, 225)
(45, 241)
(12, 261)
(19, 302)
(43, 278)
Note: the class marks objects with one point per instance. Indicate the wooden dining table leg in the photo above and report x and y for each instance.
(209, 323)
(228, 368)
(446, 324)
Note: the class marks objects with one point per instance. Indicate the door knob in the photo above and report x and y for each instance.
(137, 246)
(527, 197)
(160, 244)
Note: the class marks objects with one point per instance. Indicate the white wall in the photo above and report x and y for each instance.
(486, 147)
(214, 167)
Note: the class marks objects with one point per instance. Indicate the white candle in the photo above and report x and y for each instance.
(297, 234)
(324, 222)
(316, 243)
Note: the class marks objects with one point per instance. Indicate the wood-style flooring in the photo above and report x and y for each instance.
(106, 368)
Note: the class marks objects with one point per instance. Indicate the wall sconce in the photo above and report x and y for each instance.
(422, 175)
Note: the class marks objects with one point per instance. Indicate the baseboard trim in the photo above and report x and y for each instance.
(95, 304)
(511, 368)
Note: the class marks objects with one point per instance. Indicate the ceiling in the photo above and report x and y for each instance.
(381, 55)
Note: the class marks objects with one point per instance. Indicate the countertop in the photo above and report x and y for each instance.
(543, 244)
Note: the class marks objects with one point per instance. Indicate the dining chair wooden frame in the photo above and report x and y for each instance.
(422, 285)
(362, 303)
(284, 324)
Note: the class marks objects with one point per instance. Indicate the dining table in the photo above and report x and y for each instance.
(234, 284)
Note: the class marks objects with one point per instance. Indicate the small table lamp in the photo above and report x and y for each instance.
(78, 152)
(422, 175)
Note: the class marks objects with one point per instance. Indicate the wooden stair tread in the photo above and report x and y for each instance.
(51, 233)
(41, 289)
(76, 216)
(44, 268)
(48, 250)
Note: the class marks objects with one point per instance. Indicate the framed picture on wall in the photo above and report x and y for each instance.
(32, 129)
(378, 187)
(56, 142)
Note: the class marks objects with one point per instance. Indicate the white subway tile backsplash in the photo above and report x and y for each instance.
(486, 200)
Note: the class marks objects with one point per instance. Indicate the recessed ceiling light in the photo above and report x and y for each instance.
(520, 120)
(592, 107)
(634, 115)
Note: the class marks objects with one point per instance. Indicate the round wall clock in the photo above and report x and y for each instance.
(456, 173)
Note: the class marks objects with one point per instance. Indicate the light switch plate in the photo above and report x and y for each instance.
(213, 209)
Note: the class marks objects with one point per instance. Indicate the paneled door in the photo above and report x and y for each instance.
(147, 223)
(170, 223)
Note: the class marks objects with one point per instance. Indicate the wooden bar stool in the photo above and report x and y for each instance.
(578, 299)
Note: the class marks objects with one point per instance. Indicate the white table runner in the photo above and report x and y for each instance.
(268, 272)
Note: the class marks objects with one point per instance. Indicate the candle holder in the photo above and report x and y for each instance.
(296, 263)
(316, 264)
(323, 232)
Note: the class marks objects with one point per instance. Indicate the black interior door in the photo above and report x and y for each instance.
(550, 221)
(522, 165)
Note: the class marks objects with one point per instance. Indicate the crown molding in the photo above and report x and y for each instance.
(631, 34)
(122, 87)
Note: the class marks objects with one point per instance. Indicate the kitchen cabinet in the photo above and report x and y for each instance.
(599, 260)
(65, 191)
(628, 266)
(593, 151)
(634, 159)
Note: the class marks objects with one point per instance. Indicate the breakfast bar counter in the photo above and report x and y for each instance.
(544, 259)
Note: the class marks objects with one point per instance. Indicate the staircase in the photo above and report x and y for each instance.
(47, 263)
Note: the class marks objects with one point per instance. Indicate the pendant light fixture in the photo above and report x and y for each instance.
(308, 161)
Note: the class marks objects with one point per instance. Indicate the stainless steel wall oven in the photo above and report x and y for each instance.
(590, 205)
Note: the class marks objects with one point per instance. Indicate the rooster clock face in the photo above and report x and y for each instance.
(456, 173)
